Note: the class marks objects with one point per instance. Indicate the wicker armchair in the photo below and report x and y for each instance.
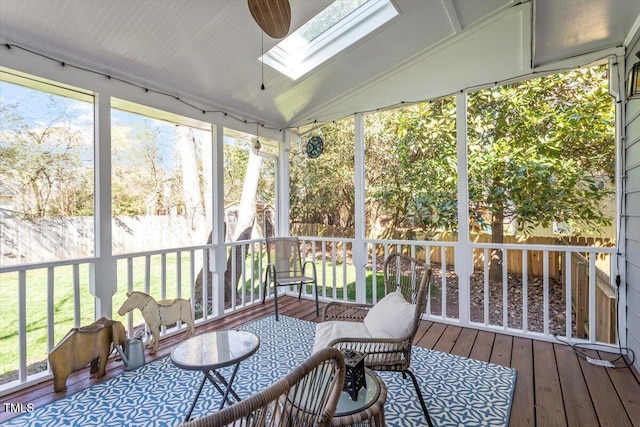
(409, 276)
(307, 396)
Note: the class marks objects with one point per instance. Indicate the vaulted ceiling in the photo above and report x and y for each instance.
(207, 50)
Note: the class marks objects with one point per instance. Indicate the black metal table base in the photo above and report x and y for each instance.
(228, 390)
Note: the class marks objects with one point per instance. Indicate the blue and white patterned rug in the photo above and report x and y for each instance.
(457, 391)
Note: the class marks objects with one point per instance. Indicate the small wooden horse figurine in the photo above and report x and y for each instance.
(163, 312)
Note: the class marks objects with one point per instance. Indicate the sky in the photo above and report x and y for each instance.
(37, 110)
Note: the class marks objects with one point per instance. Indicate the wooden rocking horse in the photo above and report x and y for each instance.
(156, 314)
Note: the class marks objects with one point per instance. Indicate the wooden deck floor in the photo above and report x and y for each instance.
(554, 386)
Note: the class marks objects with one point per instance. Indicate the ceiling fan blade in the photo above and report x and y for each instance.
(273, 16)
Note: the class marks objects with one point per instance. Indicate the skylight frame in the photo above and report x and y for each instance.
(361, 22)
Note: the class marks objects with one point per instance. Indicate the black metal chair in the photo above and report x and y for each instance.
(285, 268)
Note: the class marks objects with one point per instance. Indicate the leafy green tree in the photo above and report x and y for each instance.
(45, 157)
(539, 151)
(411, 166)
(139, 170)
(321, 189)
(542, 151)
(410, 171)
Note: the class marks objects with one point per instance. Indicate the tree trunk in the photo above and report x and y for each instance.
(244, 226)
(239, 261)
(243, 231)
(191, 194)
(199, 284)
(497, 236)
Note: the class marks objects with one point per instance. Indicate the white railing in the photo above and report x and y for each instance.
(531, 297)
(164, 274)
(556, 280)
(250, 256)
(538, 285)
(34, 314)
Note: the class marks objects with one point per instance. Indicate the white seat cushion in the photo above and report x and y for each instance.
(331, 330)
(391, 317)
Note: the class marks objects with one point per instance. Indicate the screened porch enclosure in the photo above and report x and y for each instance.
(166, 166)
(550, 289)
(533, 305)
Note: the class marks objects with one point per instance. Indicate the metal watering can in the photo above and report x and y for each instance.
(133, 355)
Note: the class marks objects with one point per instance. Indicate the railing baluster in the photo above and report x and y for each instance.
(323, 245)
(233, 275)
(443, 277)
(545, 274)
(567, 286)
(486, 286)
(129, 289)
(163, 276)
(334, 270)
(179, 280)
(592, 298)
(313, 259)
(252, 263)
(50, 310)
(505, 291)
(179, 274)
(192, 279)
(374, 274)
(205, 284)
(129, 274)
(22, 325)
(76, 295)
(147, 274)
(427, 258)
(262, 276)
(163, 284)
(525, 290)
(243, 286)
(344, 273)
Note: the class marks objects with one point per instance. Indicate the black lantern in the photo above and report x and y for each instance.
(354, 378)
(633, 80)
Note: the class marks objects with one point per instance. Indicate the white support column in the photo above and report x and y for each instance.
(283, 174)
(464, 253)
(102, 282)
(359, 245)
(218, 255)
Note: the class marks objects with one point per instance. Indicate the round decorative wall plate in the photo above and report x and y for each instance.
(315, 145)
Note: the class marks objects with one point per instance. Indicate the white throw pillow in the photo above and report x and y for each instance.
(391, 317)
(331, 330)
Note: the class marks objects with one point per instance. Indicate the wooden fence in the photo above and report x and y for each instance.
(30, 241)
(605, 320)
(513, 258)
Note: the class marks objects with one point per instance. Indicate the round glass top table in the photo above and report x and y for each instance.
(367, 409)
(211, 351)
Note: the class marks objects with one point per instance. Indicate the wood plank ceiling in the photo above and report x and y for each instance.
(207, 51)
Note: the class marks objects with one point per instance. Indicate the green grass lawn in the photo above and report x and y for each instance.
(341, 276)
(63, 303)
(63, 299)
(36, 312)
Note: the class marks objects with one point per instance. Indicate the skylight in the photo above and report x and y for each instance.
(338, 26)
